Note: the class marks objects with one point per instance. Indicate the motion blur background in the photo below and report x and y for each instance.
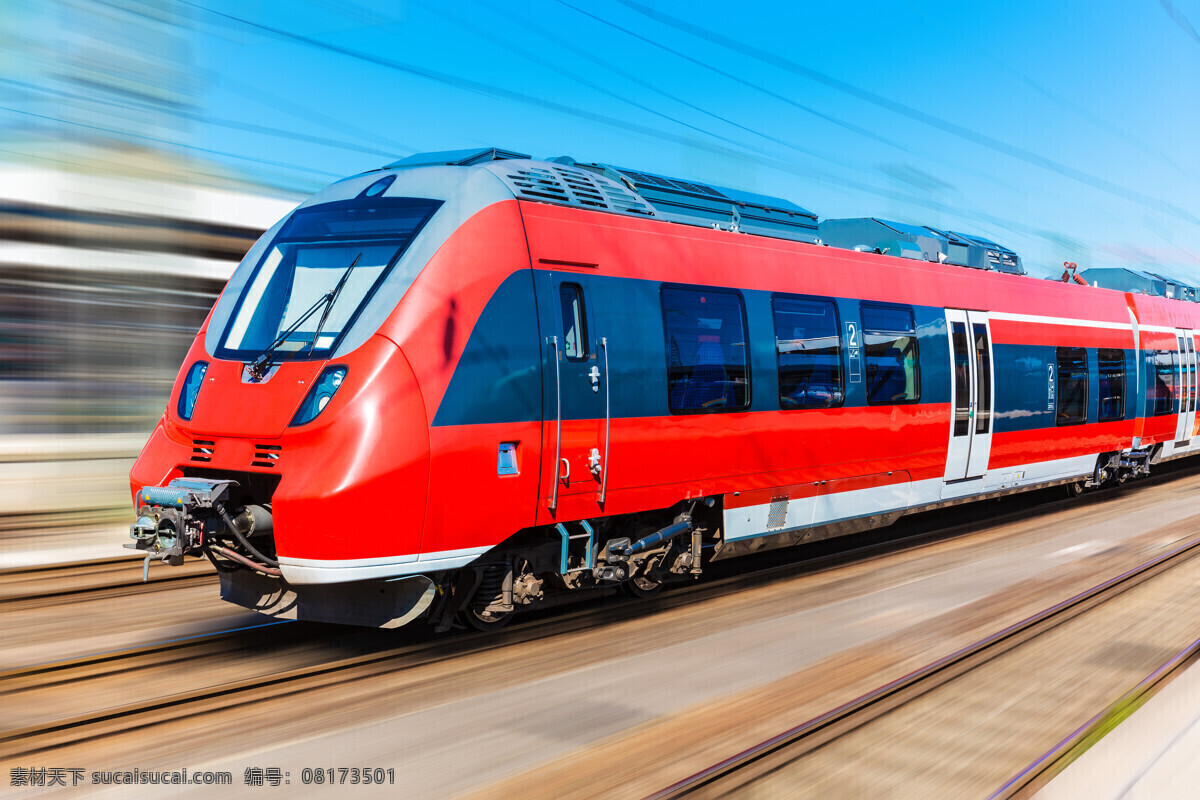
(145, 145)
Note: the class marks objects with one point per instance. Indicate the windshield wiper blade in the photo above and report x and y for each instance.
(263, 361)
(337, 290)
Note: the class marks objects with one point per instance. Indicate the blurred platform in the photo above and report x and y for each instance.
(1149, 756)
(68, 545)
(56, 474)
(65, 499)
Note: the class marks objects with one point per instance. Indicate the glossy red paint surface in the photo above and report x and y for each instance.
(464, 471)
(647, 249)
(433, 321)
(1054, 335)
(1016, 448)
(655, 462)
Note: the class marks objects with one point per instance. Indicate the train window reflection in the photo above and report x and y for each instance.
(1072, 388)
(1161, 391)
(962, 380)
(338, 251)
(808, 351)
(1112, 384)
(706, 350)
(890, 340)
(574, 322)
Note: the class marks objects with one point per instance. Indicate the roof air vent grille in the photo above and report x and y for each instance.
(563, 185)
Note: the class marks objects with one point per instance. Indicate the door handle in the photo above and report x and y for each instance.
(565, 477)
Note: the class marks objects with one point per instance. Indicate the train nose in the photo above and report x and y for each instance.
(369, 449)
(230, 404)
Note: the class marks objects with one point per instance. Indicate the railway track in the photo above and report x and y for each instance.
(139, 665)
(775, 766)
(34, 587)
(376, 657)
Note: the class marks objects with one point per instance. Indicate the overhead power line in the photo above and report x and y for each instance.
(477, 87)
(954, 129)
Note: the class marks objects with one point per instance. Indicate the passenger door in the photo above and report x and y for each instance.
(1186, 381)
(576, 395)
(972, 394)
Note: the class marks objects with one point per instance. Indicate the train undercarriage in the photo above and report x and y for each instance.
(227, 518)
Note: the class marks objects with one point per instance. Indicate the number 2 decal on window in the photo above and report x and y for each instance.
(854, 351)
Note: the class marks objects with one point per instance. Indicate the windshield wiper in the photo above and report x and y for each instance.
(263, 362)
(337, 290)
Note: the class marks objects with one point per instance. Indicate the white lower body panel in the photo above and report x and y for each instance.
(751, 521)
(301, 571)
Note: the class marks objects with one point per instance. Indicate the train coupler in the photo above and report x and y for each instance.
(173, 519)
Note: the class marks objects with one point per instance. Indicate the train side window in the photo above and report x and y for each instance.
(706, 338)
(1162, 390)
(808, 350)
(890, 341)
(1072, 389)
(1112, 384)
(574, 322)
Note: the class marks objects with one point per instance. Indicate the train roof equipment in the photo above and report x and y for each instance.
(1137, 281)
(456, 158)
(920, 242)
(604, 187)
(695, 203)
(871, 234)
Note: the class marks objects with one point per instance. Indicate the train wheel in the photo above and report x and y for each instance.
(642, 586)
(1074, 489)
(485, 620)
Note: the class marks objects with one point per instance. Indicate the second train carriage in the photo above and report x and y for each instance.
(470, 382)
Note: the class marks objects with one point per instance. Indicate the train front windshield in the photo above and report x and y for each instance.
(319, 272)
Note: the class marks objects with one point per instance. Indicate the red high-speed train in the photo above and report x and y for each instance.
(470, 383)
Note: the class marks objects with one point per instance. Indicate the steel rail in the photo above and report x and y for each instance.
(134, 714)
(72, 669)
(536, 627)
(72, 583)
(790, 744)
(679, 594)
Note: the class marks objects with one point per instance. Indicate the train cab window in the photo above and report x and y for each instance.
(1161, 393)
(808, 349)
(320, 273)
(1072, 386)
(1112, 384)
(574, 322)
(706, 350)
(890, 341)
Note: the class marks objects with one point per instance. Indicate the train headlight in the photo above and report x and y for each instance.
(191, 389)
(319, 396)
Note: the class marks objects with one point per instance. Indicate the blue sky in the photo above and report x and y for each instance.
(1063, 130)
